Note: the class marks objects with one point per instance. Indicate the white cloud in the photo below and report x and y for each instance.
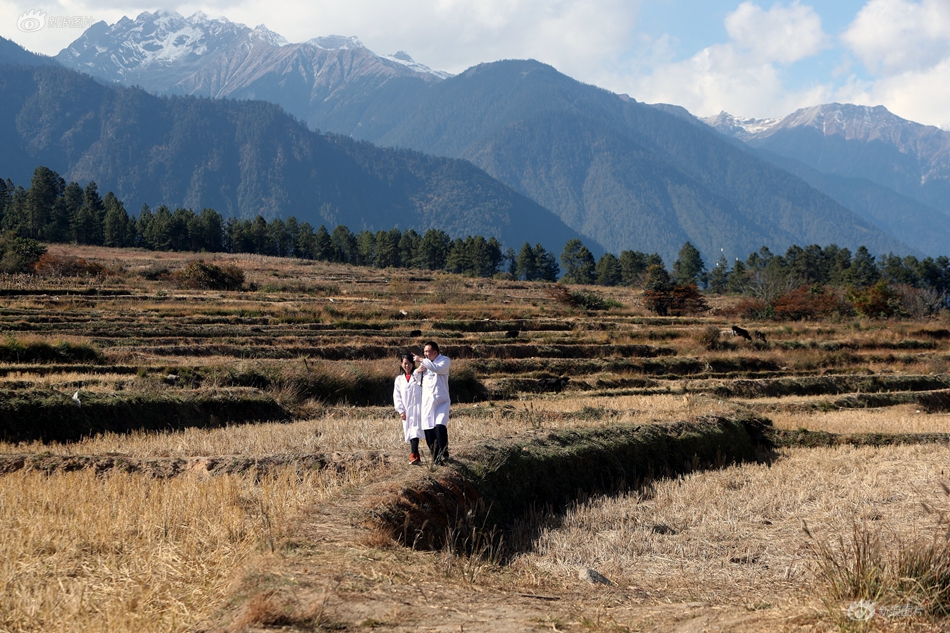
(745, 75)
(781, 34)
(896, 36)
(573, 35)
(576, 36)
(919, 95)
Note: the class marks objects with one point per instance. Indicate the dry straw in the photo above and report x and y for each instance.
(127, 552)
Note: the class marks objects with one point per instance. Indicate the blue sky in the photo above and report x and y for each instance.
(753, 59)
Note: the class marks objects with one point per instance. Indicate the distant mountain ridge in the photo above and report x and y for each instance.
(620, 173)
(623, 173)
(247, 158)
(856, 142)
(166, 53)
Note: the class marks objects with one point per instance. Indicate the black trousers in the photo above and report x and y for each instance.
(438, 441)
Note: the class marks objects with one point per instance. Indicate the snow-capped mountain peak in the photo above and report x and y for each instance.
(403, 58)
(263, 33)
(336, 42)
(738, 126)
(164, 52)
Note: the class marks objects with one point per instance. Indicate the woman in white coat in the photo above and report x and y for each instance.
(434, 374)
(407, 398)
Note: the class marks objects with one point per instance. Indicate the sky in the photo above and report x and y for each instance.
(751, 59)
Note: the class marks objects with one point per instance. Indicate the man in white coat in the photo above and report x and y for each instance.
(434, 372)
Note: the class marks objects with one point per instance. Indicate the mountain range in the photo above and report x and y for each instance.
(247, 158)
(891, 170)
(622, 174)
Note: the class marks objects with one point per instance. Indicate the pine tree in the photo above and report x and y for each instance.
(548, 270)
(115, 222)
(689, 267)
(46, 188)
(578, 263)
(434, 250)
(323, 245)
(344, 245)
(409, 244)
(87, 223)
(719, 277)
(863, 272)
(608, 270)
(526, 264)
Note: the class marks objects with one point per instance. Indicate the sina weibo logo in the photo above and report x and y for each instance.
(31, 21)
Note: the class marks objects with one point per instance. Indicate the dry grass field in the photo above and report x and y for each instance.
(236, 445)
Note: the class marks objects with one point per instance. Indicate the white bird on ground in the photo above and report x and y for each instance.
(76, 398)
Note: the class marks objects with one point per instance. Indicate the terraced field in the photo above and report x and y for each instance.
(187, 459)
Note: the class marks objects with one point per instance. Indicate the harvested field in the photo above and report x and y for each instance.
(182, 460)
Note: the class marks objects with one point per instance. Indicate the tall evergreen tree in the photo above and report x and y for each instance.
(61, 226)
(433, 250)
(115, 222)
(608, 270)
(719, 276)
(526, 264)
(409, 244)
(366, 248)
(209, 231)
(577, 262)
(322, 245)
(689, 267)
(157, 234)
(46, 188)
(345, 248)
(387, 249)
(863, 272)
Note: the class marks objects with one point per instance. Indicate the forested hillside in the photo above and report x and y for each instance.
(622, 173)
(247, 158)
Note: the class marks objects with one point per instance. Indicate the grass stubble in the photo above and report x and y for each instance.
(777, 536)
(129, 552)
(122, 551)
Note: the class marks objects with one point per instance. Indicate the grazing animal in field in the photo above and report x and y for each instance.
(552, 384)
(738, 331)
(759, 336)
(512, 333)
(415, 333)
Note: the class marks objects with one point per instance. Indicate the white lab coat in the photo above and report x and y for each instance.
(435, 391)
(407, 398)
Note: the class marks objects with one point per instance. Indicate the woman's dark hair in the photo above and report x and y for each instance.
(408, 357)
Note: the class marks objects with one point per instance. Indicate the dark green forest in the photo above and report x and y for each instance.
(805, 282)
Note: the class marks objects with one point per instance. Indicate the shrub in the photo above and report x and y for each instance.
(809, 302)
(675, 300)
(204, 275)
(579, 299)
(751, 309)
(19, 254)
(66, 266)
(876, 302)
(710, 338)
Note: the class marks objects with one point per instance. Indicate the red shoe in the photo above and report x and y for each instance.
(414, 459)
